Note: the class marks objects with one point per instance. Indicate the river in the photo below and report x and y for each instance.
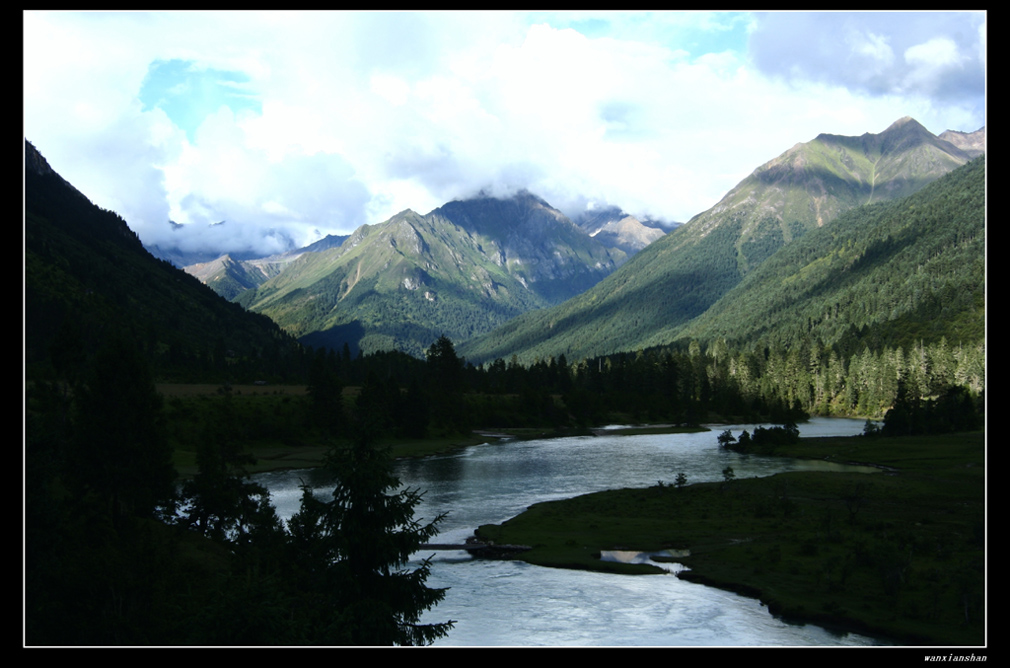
(510, 603)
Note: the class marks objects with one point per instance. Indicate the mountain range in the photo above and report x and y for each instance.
(230, 276)
(459, 270)
(652, 298)
(891, 274)
(514, 276)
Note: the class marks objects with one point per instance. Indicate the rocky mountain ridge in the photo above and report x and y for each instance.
(678, 277)
(972, 143)
(458, 270)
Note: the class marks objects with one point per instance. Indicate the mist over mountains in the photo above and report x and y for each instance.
(459, 270)
(505, 276)
(88, 279)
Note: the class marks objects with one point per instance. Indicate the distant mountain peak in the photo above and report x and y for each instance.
(617, 229)
(972, 143)
(908, 128)
(902, 122)
(460, 269)
(521, 196)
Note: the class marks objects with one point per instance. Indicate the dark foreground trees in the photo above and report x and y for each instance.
(118, 453)
(952, 411)
(354, 550)
(115, 556)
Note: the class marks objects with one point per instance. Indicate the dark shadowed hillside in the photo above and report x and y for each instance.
(88, 277)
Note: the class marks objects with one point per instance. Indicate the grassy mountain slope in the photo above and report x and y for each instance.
(894, 273)
(88, 277)
(459, 270)
(677, 278)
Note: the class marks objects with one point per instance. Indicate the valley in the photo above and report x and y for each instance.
(505, 277)
(531, 328)
(789, 298)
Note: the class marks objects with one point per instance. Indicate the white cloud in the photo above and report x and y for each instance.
(931, 62)
(359, 115)
(391, 88)
(872, 54)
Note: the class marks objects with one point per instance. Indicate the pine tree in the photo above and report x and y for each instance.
(444, 371)
(355, 548)
(326, 394)
(120, 452)
(221, 502)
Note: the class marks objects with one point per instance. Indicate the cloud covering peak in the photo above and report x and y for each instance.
(293, 125)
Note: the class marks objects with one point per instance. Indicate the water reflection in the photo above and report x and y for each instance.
(513, 603)
(664, 559)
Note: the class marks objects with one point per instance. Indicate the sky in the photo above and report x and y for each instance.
(257, 132)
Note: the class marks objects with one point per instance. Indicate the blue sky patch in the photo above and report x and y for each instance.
(188, 93)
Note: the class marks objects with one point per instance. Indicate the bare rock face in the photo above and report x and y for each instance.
(628, 234)
(615, 229)
(972, 143)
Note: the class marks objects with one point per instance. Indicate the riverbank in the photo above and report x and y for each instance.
(898, 554)
(276, 456)
(272, 423)
(279, 456)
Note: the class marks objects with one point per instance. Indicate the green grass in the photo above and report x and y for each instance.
(898, 554)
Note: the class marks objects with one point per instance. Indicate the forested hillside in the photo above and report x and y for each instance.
(677, 278)
(460, 270)
(88, 277)
(892, 274)
(888, 299)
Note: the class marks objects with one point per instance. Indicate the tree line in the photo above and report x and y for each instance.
(687, 383)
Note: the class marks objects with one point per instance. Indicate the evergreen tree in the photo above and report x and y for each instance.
(120, 453)
(413, 416)
(354, 549)
(222, 503)
(326, 394)
(904, 416)
(444, 366)
(445, 384)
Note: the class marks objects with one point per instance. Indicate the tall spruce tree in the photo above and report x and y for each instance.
(120, 452)
(326, 394)
(445, 380)
(354, 550)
